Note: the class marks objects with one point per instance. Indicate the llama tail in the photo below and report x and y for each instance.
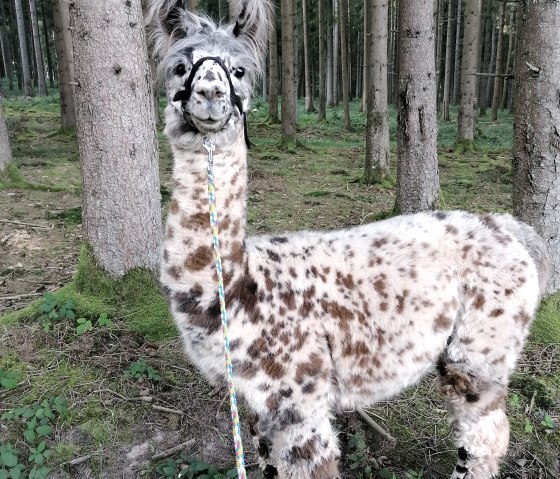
(533, 243)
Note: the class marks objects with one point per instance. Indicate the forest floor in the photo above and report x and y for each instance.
(107, 396)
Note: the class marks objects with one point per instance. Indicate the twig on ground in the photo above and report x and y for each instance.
(167, 409)
(19, 296)
(75, 462)
(173, 450)
(20, 223)
(376, 427)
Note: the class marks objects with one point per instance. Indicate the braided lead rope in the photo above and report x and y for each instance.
(239, 456)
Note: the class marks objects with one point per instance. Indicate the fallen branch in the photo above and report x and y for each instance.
(173, 450)
(19, 223)
(75, 462)
(167, 409)
(376, 427)
(19, 296)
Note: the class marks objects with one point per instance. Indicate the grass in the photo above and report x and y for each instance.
(316, 185)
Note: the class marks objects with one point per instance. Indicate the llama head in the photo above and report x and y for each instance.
(209, 70)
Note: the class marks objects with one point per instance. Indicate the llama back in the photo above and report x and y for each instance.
(532, 242)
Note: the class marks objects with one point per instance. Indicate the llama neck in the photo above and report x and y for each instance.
(188, 256)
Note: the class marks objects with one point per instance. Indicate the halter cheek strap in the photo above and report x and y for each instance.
(185, 95)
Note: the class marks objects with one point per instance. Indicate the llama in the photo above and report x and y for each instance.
(325, 321)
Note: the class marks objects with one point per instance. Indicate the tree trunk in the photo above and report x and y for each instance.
(329, 40)
(5, 44)
(273, 74)
(5, 151)
(469, 66)
(377, 128)
(37, 46)
(448, 52)
(25, 65)
(439, 51)
(118, 144)
(365, 80)
(485, 54)
(491, 67)
(50, 68)
(498, 79)
(417, 171)
(336, 51)
(507, 67)
(309, 107)
(343, 11)
(288, 77)
(536, 143)
(65, 63)
(457, 59)
(322, 73)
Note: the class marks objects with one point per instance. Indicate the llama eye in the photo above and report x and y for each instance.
(239, 72)
(180, 69)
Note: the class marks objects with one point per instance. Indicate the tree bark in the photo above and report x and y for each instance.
(322, 53)
(439, 51)
(457, 58)
(5, 151)
(336, 51)
(486, 53)
(25, 65)
(309, 107)
(118, 144)
(37, 47)
(329, 40)
(65, 63)
(469, 66)
(273, 75)
(377, 129)
(417, 172)
(536, 141)
(343, 10)
(288, 77)
(50, 67)
(498, 79)
(448, 52)
(6, 47)
(507, 66)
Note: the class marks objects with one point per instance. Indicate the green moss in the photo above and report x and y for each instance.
(546, 328)
(464, 146)
(65, 451)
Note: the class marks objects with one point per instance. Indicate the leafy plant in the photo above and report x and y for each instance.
(548, 423)
(184, 468)
(8, 379)
(38, 424)
(83, 326)
(387, 474)
(528, 426)
(514, 402)
(359, 461)
(54, 310)
(141, 370)
(414, 474)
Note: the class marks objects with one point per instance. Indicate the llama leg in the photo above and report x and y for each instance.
(262, 444)
(480, 426)
(294, 446)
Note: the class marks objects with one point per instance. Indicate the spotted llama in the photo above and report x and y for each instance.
(323, 321)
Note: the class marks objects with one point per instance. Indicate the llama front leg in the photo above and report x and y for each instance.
(480, 425)
(294, 446)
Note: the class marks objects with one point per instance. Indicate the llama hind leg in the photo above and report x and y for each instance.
(480, 425)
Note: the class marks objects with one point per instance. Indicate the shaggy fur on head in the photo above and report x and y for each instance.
(323, 321)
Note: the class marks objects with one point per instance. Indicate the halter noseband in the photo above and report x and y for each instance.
(185, 95)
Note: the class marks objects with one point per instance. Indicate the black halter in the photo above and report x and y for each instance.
(184, 95)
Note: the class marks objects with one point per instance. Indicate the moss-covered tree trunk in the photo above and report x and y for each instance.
(536, 141)
(417, 171)
(377, 129)
(469, 67)
(5, 151)
(116, 135)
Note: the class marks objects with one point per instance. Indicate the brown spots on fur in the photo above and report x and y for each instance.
(442, 323)
(496, 312)
(170, 233)
(174, 206)
(273, 401)
(310, 368)
(466, 340)
(199, 259)
(273, 255)
(522, 317)
(479, 301)
(456, 383)
(245, 369)
(268, 283)
(359, 348)
(271, 367)
(289, 417)
(346, 280)
(508, 291)
(236, 228)
(244, 290)
(380, 286)
(175, 272)
(305, 452)
(336, 310)
(198, 220)
(401, 298)
(451, 229)
(292, 272)
(379, 242)
(500, 360)
(466, 250)
(289, 299)
(237, 252)
(384, 306)
(257, 347)
(486, 351)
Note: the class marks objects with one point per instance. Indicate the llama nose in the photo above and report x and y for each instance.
(210, 89)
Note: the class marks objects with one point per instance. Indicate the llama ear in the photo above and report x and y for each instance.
(169, 20)
(252, 21)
